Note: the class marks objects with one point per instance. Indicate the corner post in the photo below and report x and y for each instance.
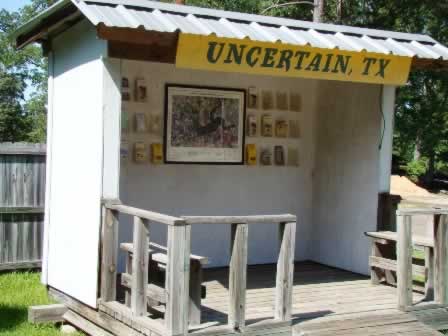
(238, 276)
(109, 250)
(404, 261)
(285, 271)
(178, 279)
(441, 258)
(140, 267)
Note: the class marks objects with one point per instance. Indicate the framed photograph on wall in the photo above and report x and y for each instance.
(204, 125)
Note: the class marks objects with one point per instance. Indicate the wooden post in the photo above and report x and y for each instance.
(429, 273)
(127, 294)
(404, 261)
(195, 293)
(139, 267)
(441, 258)
(177, 279)
(285, 271)
(238, 276)
(109, 255)
(375, 273)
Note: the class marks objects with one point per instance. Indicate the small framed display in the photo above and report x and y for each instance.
(281, 128)
(252, 125)
(279, 156)
(125, 89)
(141, 92)
(266, 156)
(204, 125)
(267, 125)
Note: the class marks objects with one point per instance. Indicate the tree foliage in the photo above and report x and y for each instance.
(23, 80)
(422, 107)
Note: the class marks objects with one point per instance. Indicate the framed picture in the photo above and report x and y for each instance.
(204, 125)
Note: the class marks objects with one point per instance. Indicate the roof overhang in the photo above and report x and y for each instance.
(133, 27)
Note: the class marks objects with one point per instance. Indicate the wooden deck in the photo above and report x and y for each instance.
(326, 301)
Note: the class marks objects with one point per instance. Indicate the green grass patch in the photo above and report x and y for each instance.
(419, 254)
(18, 291)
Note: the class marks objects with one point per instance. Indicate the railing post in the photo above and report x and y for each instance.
(140, 267)
(177, 279)
(404, 261)
(238, 276)
(285, 271)
(429, 273)
(441, 258)
(109, 250)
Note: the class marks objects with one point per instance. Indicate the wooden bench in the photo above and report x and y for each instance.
(155, 290)
(383, 263)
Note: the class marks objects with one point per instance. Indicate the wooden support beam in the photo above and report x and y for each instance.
(441, 259)
(429, 274)
(238, 276)
(375, 272)
(103, 320)
(404, 261)
(127, 294)
(85, 325)
(47, 313)
(285, 271)
(195, 293)
(140, 267)
(109, 255)
(177, 279)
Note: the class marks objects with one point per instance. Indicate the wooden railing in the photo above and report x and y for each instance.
(178, 272)
(405, 253)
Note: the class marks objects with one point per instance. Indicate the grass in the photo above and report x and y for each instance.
(18, 291)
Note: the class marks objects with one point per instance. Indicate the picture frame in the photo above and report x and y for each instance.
(204, 125)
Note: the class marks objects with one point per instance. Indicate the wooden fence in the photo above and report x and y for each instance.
(22, 196)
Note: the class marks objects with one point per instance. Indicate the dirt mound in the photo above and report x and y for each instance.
(401, 185)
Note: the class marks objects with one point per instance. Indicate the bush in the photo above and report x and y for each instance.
(416, 168)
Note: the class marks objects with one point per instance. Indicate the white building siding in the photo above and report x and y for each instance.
(222, 190)
(346, 173)
(76, 163)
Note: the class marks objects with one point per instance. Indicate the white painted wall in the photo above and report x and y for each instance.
(346, 176)
(387, 126)
(222, 190)
(76, 168)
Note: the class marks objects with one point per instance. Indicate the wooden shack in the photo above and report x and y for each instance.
(198, 130)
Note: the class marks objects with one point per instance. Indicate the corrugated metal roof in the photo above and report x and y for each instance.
(163, 17)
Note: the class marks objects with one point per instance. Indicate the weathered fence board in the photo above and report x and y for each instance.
(22, 196)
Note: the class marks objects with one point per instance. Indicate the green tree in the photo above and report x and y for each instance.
(19, 70)
(13, 125)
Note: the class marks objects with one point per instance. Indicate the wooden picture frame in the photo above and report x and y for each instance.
(204, 125)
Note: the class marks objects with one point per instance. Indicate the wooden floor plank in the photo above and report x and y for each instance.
(327, 301)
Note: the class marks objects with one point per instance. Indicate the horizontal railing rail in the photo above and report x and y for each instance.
(272, 219)
(145, 214)
(178, 264)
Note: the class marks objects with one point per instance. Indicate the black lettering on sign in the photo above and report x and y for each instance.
(251, 60)
(285, 59)
(269, 61)
(234, 55)
(327, 63)
(368, 61)
(383, 65)
(301, 56)
(211, 57)
(341, 64)
(315, 63)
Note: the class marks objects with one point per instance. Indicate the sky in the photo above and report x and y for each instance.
(13, 5)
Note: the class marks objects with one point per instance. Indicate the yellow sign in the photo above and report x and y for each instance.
(278, 59)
